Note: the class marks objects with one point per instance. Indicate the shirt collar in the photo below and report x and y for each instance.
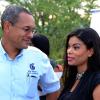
(2, 51)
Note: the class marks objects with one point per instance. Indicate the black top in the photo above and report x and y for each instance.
(84, 89)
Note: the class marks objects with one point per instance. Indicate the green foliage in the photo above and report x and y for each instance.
(56, 18)
(0, 32)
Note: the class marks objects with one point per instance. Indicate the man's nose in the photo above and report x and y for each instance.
(30, 34)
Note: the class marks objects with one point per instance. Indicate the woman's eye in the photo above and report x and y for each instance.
(76, 47)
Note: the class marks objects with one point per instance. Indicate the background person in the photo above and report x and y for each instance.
(23, 67)
(42, 42)
(82, 66)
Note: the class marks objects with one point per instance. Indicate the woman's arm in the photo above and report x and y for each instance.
(96, 93)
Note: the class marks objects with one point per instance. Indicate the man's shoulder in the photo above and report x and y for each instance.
(31, 48)
(34, 51)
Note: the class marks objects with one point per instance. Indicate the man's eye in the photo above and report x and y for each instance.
(26, 30)
(29, 29)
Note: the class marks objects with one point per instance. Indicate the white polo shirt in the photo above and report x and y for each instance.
(19, 77)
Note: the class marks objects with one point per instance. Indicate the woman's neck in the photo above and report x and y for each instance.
(82, 68)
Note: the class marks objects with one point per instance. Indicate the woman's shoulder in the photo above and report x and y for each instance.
(96, 85)
(96, 78)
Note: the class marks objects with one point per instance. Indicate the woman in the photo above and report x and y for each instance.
(82, 66)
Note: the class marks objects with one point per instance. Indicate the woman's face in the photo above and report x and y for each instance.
(77, 52)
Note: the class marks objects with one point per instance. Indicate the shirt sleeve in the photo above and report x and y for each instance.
(48, 80)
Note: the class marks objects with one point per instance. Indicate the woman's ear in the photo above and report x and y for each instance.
(91, 52)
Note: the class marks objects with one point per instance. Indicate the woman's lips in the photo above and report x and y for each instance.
(70, 58)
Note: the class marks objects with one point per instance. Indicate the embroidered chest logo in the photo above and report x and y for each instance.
(31, 72)
(32, 67)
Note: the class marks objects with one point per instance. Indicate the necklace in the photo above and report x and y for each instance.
(79, 75)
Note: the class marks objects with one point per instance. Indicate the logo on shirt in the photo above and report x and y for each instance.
(32, 67)
(31, 72)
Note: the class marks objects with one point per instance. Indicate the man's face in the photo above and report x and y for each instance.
(21, 33)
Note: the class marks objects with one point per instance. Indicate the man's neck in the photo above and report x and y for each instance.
(10, 50)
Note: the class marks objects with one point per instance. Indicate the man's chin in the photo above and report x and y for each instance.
(25, 46)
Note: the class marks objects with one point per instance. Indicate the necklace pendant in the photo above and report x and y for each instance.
(79, 75)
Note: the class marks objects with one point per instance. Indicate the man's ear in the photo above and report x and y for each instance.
(6, 26)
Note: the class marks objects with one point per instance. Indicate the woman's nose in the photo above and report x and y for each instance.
(69, 50)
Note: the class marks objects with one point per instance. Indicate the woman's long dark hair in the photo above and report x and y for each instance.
(92, 40)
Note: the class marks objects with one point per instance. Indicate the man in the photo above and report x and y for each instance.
(23, 67)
